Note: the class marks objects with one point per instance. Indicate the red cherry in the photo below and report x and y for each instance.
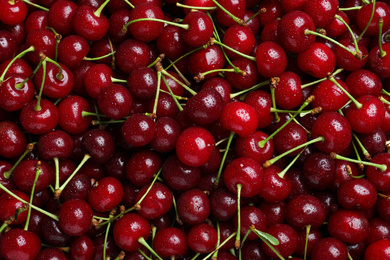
(239, 81)
(13, 13)
(72, 50)
(20, 244)
(377, 250)
(251, 215)
(288, 240)
(13, 142)
(138, 130)
(363, 17)
(329, 96)
(357, 194)
(240, 38)
(88, 24)
(329, 248)
(377, 63)
(132, 54)
(237, 8)
(271, 59)
(193, 207)
(202, 238)
(106, 194)
(206, 59)
(298, 216)
(70, 114)
(14, 97)
(322, 12)
(10, 205)
(75, 217)
(288, 91)
(24, 175)
(60, 15)
(170, 241)
(115, 101)
(55, 144)
(240, 118)
(379, 178)
(248, 147)
(200, 29)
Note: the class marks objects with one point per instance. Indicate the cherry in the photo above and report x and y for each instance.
(81, 247)
(129, 229)
(13, 142)
(291, 31)
(364, 82)
(51, 253)
(313, 236)
(101, 245)
(318, 60)
(275, 212)
(142, 83)
(273, 11)
(322, 12)
(200, 29)
(167, 132)
(377, 250)
(254, 23)
(248, 147)
(72, 50)
(115, 101)
(138, 130)
(170, 42)
(55, 144)
(71, 117)
(288, 240)
(271, 59)
(99, 144)
(240, 38)
(15, 96)
(193, 207)
(141, 167)
(357, 194)
(36, 20)
(289, 82)
(178, 175)
(276, 187)
(319, 170)
(20, 244)
(52, 233)
(380, 178)
(158, 200)
(305, 210)
(75, 217)
(13, 13)
(349, 226)
(202, 238)
(132, 54)
(12, 211)
(329, 248)
(8, 47)
(236, 8)
(337, 27)
(25, 172)
(44, 41)
(377, 60)
(239, 81)
(77, 188)
(105, 194)
(261, 101)
(292, 135)
(170, 241)
(379, 229)
(17, 66)
(223, 204)
(348, 61)
(240, 118)
(329, 96)
(206, 59)
(363, 18)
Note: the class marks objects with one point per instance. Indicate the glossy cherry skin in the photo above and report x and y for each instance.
(240, 118)
(89, 26)
(138, 130)
(287, 237)
(348, 61)
(377, 63)
(305, 210)
(24, 175)
(202, 238)
(210, 58)
(223, 204)
(240, 38)
(43, 41)
(377, 250)
(8, 47)
(291, 136)
(179, 176)
(167, 132)
(99, 144)
(336, 27)
(170, 241)
(60, 16)
(261, 101)
(157, 202)
(200, 29)
(106, 194)
(55, 144)
(247, 172)
(329, 96)
(237, 8)
(380, 179)
(10, 205)
(51, 253)
(129, 229)
(239, 81)
(379, 229)
(194, 146)
(70, 113)
(363, 18)
(271, 59)
(357, 194)
(319, 170)
(13, 142)
(72, 50)
(288, 91)
(317, 61)
(336, 130)
(364, 82)
(115, 101)
(81, 247)
(291, 31)
(193, 207)
(12, 97)
(349, 226)
(248, 147)
(369, 117)
(132, 54)
(75, 217)
(20, 244)
(322, 12)
(329, 248)
(171, 42)
(142, 83)
(251, 215)
(275, 188)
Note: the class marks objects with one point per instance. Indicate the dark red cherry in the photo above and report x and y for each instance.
(24, 175)
(200, 29)
(237, 8)
(380, 178)
(364, 82)
(75, 217)
(115, 101)
(305, 210)
(170, 42)
(223, 204)
(146, 30)
(202, 238)
(271, 59)
(8, 46)
(291, 136)
(377, 250)
(157, 202)
(240, 38)
(239, 81)
(248, 147)
(288, 91)
(51, 253)
(72, 50)
(138, 130)
(193, 207)
(142, 83)
(116, 22)
(357, 194)
(13, 96)
(77, 188)
(82, 247)
(105, 194)
(99, 144)
(329, 96)
(170, 241)
(379, 229)
(52, 233)
(110, 247)
(167, 132)
(13, 142)
(322, 12)
(179, 176)
(250, 215)
(13, 13)
(275, 212)
(141, 167)
(10, 206)
(70, 114)
(273, 11)
(287, 237)
(60, 15)
(129, 229)
(261, 101)
(335, 129)
(348, 61)
(132, 54)
(252, 249)
(88, 24)
(313, 237)
(349, 226)
(20, 244)
(377, 63)
(44, 41)
(291, 31)
(246, 172)
(240, 118)
(329, 248)
(319, 170)
(55, 144)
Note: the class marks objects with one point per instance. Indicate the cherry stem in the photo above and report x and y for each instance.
(99, 11)
(21, 84)
(57, 170)
(38, 105)
(233, 50)
(186, 87)
(29, 204)
(307, 31)
(130, 4)
(100, 57)
(369, 22)
(87, 113)
(320, 80)
(216, 182)
(285, 170)
(105, 240)
(237, 244)
(21, 54)
(385, 101)
(200, 77)
(58, 38)
(195, 256)
(38, 171)
(308, 227)
(235, 18)
(364, 150)
(268, 239)
(115, 80)
(3, 226)
(59, 75)
(382, 53)
(197, 7)
(261, 11)
(57, 192)
(158, 59)
(177, 218)
(142, 241)
(276, 115)
(154, 112)
(29, 148)
(171, 93)
(180, 74)
(350, 32)
(183, 26)
(181, 57)
(259, 85)
(35, 5)
(176, 96)
(142, 253)
(381, 167)
(273, 160)
(357, 103)
(361, 166)
(219, 246)
(305, 104)
(350, 8)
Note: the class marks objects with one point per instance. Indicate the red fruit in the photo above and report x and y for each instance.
(240, 118)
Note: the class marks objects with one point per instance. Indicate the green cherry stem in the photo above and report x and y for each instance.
(58, 38)
(183, 26)
(357, 103)
(57, 192)
(142, 241)
(200, 77)
(361, 166)
(115, 80)
(381, 167)
(105, 240)
(320, 80)
(185, 55)
(261, 11)
(261, 84)
(186, 87)
(237, 244)
(350, 8)
(235, 18)
(57, 171)
(210, 8)
(100, 57)
(308, 227)
(21, 84)
(21, 54)
(59, 75)
(35, 5)
(216, 182)
(382, 53)
(369, 21)
(99, 11)
(268, 239)
(38, 105)
(172, 95)
(154, 112)
(219, 247)
(305, 104)
(350, 32)
(29, 148)
(285, 170)
(214, 41)
(364, 150)
(180, 74)
(38, 171)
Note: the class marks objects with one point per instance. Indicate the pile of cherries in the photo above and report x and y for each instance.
(194, 129)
